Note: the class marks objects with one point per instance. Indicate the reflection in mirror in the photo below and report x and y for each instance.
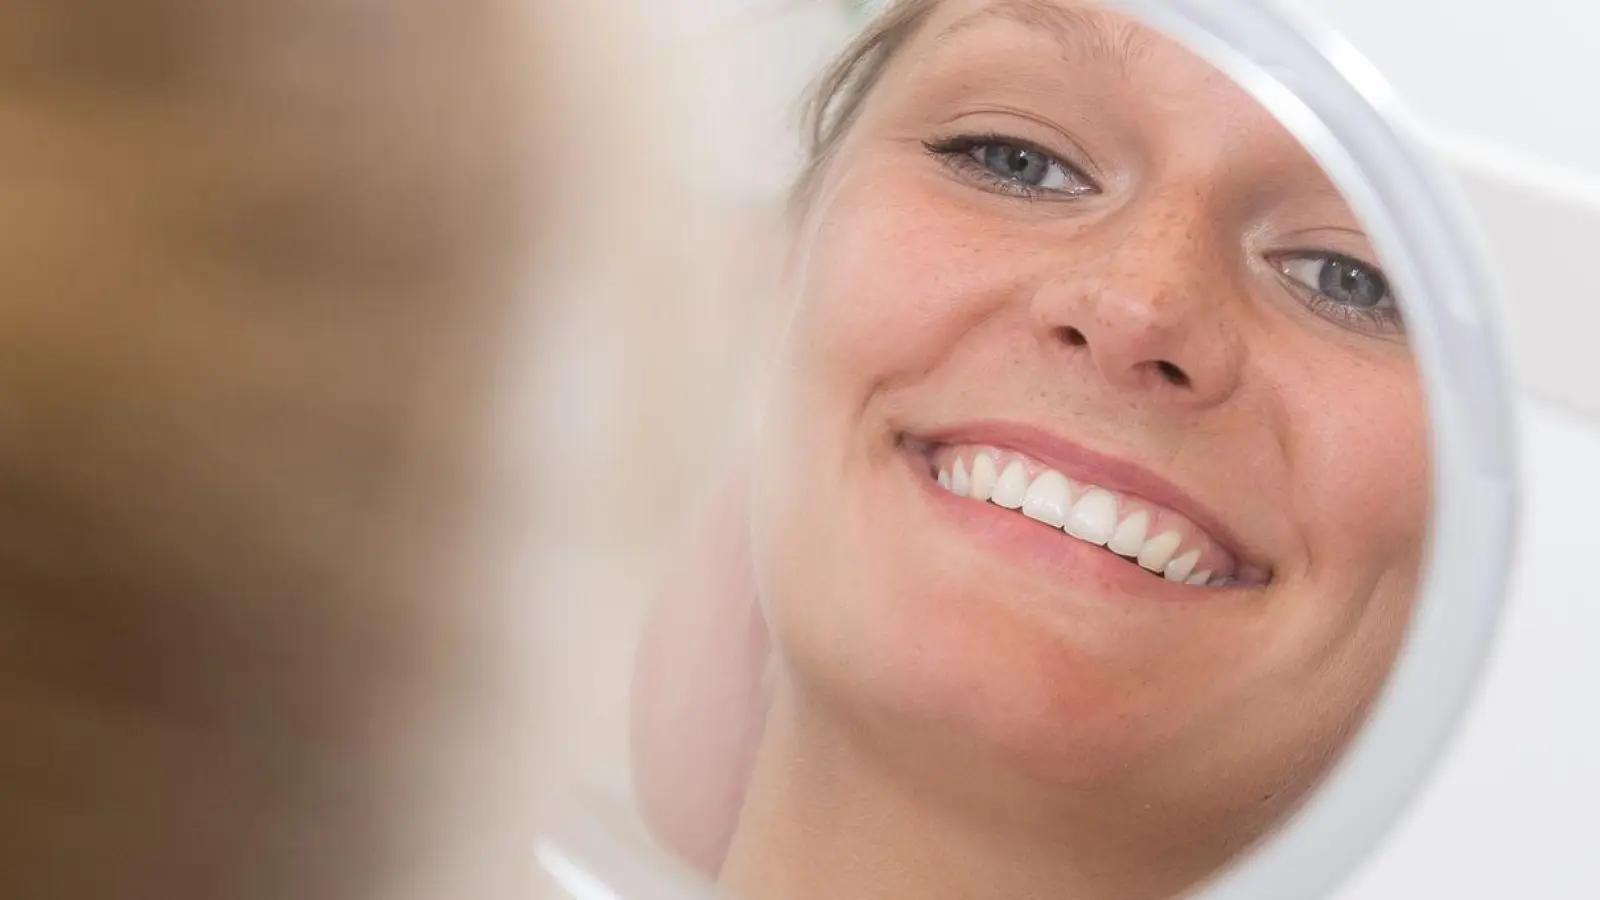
(1085, 512)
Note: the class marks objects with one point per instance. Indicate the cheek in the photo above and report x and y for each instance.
(1361, 464)
(893, 277)
(888, 286)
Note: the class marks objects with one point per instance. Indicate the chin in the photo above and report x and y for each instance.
(943, 659)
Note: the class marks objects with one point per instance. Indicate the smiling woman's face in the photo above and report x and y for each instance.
(1061, 286)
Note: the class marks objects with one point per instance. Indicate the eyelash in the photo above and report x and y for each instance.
(956, 152)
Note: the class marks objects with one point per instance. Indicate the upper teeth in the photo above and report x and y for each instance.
(1084, 511)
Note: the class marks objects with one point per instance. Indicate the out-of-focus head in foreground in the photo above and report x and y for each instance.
(261, 265)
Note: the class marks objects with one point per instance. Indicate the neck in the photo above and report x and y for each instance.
(828, 813)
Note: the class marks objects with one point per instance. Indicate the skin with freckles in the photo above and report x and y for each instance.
(1052, 217)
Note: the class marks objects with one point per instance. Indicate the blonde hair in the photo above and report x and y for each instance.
(834, 101)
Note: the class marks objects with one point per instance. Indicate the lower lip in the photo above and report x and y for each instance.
(1050, 550)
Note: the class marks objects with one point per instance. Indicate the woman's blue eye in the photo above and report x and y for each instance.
(1013, 166)
(1341, 280)
(1023, 165)
(1342, 288)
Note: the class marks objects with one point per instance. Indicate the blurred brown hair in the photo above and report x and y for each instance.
(257, 262)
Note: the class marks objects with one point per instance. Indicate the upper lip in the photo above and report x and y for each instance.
(1102, 470)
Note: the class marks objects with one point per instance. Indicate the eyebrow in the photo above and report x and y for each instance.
(1079, 31)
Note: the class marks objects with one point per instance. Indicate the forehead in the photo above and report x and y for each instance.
(1082, 31)
(1083, 38)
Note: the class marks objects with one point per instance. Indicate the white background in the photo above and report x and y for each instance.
(1505, 94)
(1507, 91)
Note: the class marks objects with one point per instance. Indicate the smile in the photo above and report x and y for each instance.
(1160, 540)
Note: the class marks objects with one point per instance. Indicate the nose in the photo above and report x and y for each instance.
(1158, 313)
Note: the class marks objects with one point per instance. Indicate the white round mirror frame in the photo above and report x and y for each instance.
(1330, 98)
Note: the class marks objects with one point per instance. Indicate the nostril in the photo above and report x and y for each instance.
(1072, 337)
(1172, 374)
